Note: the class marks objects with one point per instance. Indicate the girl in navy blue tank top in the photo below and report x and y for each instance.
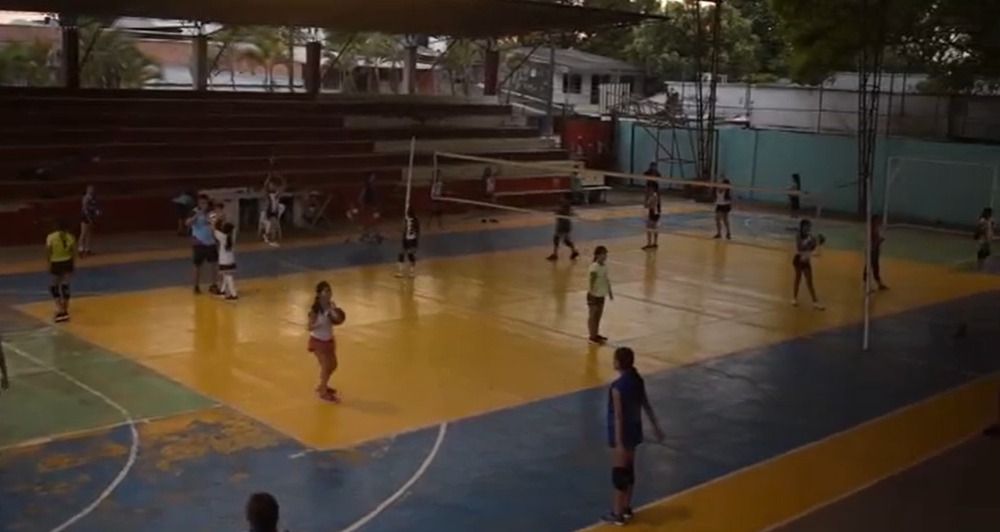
(627, 401)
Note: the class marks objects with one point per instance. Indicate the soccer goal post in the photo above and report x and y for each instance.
(936, 195)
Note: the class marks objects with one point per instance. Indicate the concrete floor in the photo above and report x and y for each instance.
(958, 491)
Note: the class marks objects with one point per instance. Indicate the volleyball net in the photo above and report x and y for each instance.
(531, 191)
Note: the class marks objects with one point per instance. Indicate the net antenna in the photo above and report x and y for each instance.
(979, 181)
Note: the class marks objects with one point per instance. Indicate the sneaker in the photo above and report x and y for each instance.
(603, 339)
(197, 290)
(552, 258)
(628, 514)
(575, 255)
(613, 519)
(62, 317)
(214, 289)
(717, 236)
(729, 236)
(647, 247)
(818, 306)
(596, 340)
(232, 298)
(795, 302)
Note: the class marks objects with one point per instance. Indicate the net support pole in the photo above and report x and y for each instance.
(409, 174)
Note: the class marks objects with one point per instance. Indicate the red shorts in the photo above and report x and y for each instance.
(322, 347)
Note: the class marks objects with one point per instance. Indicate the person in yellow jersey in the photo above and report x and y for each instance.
(60, 252)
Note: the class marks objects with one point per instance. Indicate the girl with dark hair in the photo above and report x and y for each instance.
(794, 201)
(263, 513)
(61, 253)
(564, 230)
(805, 246)
(323, 316)
(226, 237)
(723, 206)
(654, 208)
(598, 289)
(627, 401)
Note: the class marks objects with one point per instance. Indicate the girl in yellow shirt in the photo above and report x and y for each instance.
(60, 253)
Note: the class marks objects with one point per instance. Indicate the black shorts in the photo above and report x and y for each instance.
(272, 215)
(653, 218)
(984, 251)
(88, 219)
(723, 209)
(202, 254)
(63, 267)
(596, 302)
(410, 244)
(801, 264)
(227, 267)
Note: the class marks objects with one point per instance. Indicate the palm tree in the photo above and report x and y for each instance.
(268, 50)
(458, 61)
(228, 52)
(31, 64)
(380, 50)
(111, 60)
(340, 50)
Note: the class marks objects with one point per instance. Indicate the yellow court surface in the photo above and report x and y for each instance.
(477, 333)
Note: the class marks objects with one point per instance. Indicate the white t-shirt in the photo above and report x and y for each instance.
(722, 197)
(322, 328)
(601, 286)
(227, 257)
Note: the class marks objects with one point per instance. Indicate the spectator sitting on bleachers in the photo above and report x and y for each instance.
(262, 513)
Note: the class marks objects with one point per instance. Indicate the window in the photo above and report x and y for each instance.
(572, 84)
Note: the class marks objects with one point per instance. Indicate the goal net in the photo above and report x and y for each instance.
(937, 195)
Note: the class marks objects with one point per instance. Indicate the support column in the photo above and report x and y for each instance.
(491, 64)
(201, 62)
(70, 51)
(410, 70)
(311, 75)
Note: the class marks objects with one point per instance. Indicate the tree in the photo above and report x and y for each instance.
(772, 54)
(669, 49)
(954, 41)
(458, 61)
(340, 51)
(267, 49)
(109, 59)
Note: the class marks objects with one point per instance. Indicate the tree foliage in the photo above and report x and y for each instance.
(954, 41)
(671, 49)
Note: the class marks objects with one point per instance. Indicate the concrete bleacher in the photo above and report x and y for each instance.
(141, 148)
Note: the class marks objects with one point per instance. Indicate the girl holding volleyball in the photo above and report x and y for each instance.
(805, 246)
(323, 316)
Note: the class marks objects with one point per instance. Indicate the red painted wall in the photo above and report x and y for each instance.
(590, 140)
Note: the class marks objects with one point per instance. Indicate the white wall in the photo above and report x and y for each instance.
(583, 99)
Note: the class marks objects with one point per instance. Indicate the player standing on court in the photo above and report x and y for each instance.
(489, 190)
(654, 209)
(203, 244)
(723, 206)
(599, 289)
(805, 246)
(411, 241)
(60, 252)
(985, 233)
(627, 401)
(323, 315)
(564, 230)
(876, 253)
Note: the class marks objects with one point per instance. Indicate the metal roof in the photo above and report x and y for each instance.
(461, 18)
(578, 60)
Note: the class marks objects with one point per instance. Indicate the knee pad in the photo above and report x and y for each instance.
(64, 291)
(54, 290)
(620, 478)
(412, 257)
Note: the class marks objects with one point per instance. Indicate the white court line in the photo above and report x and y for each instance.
(442, 430)
(133, 452)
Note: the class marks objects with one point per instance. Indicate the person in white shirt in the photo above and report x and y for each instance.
(723, 206)
(225, 236)
(599, 289)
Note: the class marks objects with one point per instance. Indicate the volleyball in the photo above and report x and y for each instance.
(338, 316)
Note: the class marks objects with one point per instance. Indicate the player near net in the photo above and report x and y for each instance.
(407, 258)
(564, 230)
(654, 209)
